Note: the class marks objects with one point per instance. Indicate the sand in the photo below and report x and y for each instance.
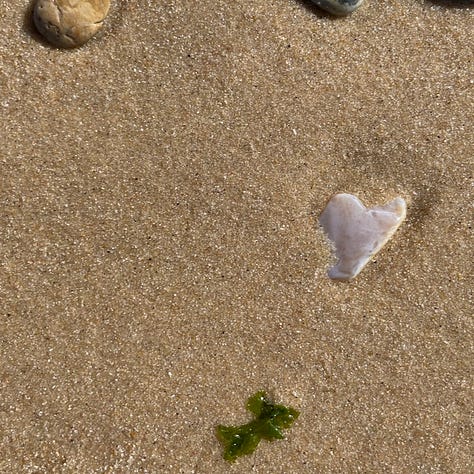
(160, 259)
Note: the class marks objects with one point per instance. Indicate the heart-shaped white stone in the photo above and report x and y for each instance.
(358, 233)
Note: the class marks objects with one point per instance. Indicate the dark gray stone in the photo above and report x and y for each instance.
(339, 7)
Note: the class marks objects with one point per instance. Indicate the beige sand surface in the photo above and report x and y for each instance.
(159, 256)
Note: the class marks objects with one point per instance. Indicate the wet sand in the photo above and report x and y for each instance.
(160, 259)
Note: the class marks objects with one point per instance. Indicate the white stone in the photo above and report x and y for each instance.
(358, 233)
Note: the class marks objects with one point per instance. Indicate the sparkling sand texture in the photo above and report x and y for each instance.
(160, 256)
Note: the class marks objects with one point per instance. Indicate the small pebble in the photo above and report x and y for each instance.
(358, 233)
(69, 23)
(339, 7)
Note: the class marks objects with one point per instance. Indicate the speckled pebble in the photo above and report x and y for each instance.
(69, 23)
(339, 7)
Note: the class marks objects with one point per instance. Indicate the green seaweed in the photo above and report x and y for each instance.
(270, 419)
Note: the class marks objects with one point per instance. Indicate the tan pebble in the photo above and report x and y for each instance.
(69, 23)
